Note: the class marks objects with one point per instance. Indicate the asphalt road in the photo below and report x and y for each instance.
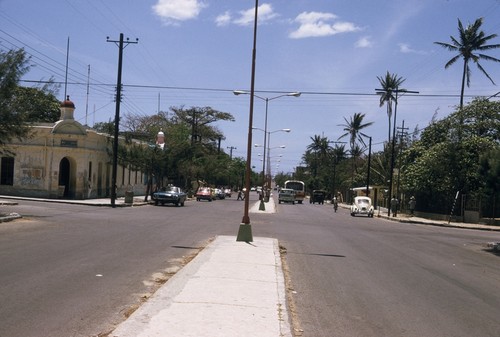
(69, 270)
(372, 277)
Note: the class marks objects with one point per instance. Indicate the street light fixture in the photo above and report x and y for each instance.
(266, 99)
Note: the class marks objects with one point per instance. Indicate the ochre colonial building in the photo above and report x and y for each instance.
(65, 160)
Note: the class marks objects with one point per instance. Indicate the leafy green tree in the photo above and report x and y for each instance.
(470, 45)
(489, 169)
(199, 119)
(390, 84)
(192, 151)
(105, 127)
(13, 65)
(435, 170)
(39, 105)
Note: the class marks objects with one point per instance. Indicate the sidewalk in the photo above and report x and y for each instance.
(229, 289)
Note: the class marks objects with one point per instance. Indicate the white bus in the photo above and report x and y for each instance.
(299, 187)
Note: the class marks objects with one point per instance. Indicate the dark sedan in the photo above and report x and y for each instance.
(170, 195)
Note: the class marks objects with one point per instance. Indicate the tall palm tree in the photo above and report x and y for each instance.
(470, 40)
(353, 129)
(390, 84)
(320, 147)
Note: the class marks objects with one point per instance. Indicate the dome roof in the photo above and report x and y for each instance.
(67, 103)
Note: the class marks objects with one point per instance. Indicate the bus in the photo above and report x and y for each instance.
(299, 187)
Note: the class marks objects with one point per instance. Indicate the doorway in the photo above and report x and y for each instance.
(66, 179)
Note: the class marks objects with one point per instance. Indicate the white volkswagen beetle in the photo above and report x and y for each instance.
(362, 205)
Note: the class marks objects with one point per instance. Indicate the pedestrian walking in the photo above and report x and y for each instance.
(394, 206)
(412, 204)
(240, 195)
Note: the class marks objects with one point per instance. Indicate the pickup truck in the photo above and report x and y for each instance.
(286, 195)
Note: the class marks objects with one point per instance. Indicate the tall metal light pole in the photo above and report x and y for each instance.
(120, 44)
(397, 91)
(262, 207)
(369, 167)
(245, 229)
(266, 99)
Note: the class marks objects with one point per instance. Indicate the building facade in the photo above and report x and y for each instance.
(65, 160)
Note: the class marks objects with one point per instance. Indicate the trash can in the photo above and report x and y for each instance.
(129, 197)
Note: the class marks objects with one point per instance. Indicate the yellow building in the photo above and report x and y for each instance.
(65, 160)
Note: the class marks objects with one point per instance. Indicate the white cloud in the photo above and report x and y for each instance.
(265, 13)
(173, 11)
(364, 42)
(315, 24)
(406, 49)
(223, 19)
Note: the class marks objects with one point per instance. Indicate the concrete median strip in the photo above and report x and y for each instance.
(229, 289)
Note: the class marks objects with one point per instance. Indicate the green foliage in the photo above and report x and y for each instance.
(105, 127)
(13, 64)
(442, 162)
(20, 106)
(191, 151)
(489, 169)
(38, 105)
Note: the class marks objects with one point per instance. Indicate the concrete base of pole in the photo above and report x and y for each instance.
(245, 233)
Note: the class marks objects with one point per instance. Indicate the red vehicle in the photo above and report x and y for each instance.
(204, 193)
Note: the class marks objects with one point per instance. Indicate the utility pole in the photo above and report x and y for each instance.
(121, 45)
(402, 134)
(393, 145)
(231, 148)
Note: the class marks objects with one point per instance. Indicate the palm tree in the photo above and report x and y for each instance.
(353, 129)
(390, 85)
(320, 145)
(470, 40)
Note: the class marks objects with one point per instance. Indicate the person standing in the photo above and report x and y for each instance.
(394, 206)
(412, 204)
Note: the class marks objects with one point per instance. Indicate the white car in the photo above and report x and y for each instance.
(362, 206)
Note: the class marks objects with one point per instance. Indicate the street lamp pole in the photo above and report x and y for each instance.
(369, 167)
(262, 206)
(266, 99)
(245, 229)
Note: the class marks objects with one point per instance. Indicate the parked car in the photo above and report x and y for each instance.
(317, 196)
(205, 193)
(169, 195)
(286, 195)
(228, 192)
(219, 193)
(362, 206)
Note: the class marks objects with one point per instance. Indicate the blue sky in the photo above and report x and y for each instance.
(196, 52)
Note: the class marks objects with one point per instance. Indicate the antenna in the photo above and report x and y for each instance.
(87, 102)
(66, 76)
